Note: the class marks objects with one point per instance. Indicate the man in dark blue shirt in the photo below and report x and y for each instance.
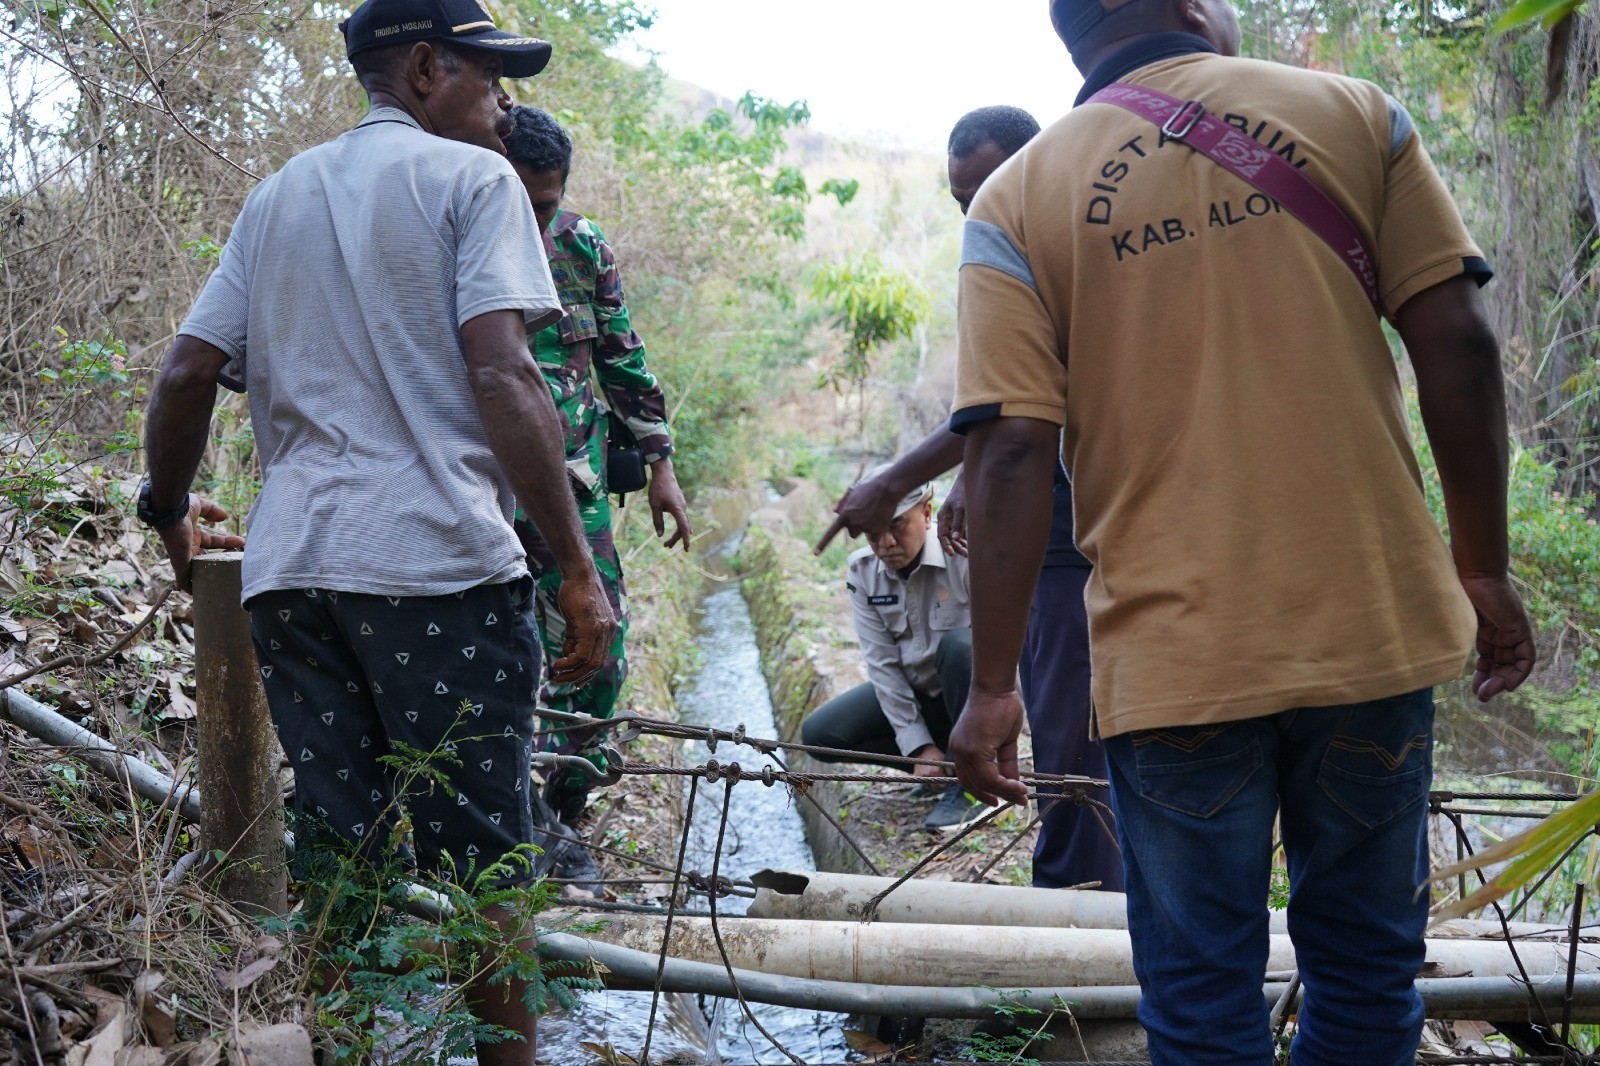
(1076, 844)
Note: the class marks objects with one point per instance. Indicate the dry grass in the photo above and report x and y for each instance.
(105, 915)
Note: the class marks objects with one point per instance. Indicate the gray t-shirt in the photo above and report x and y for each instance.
(338, 299)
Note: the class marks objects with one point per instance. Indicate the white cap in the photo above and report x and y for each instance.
(915, 498)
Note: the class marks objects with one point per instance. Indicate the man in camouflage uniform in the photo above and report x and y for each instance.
(594, 338)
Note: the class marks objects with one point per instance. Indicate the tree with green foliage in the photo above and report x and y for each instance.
(872, 305)
(1524, 165)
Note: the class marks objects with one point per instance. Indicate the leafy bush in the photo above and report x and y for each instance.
(1555, 550)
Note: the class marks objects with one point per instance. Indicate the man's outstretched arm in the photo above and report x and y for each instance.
(868, 507)
(1461, 390)
(1009, 467)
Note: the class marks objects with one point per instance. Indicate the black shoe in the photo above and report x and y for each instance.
(920, 791)
(575, 866)
(569, 803)
(955, 809)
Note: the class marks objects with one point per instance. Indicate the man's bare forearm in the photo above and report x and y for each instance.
(1461, 392)
(938, 452)
(1009, 466)
(524, 431)
(1467, 430)
(520, 420)
(178, 422)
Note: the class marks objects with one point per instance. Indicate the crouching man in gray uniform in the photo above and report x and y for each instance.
(911, 606)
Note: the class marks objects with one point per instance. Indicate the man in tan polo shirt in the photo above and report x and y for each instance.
(1271, 601)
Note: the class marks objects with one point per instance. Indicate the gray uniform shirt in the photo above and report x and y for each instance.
(338, 299)
(900, 622)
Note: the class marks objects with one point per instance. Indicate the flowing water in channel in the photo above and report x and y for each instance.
(764, 830)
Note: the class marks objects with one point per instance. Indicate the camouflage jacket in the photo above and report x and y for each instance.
(595, 339)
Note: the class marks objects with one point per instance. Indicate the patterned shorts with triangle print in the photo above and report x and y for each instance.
(449, 680)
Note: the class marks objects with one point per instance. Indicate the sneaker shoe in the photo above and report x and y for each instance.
(575, 865)
(956, 808)
(920, 791)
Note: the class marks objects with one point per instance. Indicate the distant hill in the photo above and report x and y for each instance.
(690, 102)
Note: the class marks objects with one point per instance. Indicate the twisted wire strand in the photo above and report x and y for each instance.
(666, 938)
(716, 931)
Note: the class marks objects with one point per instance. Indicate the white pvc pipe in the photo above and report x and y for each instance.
(101, 755)
(1480, 998)
(835, 897)
(999, 956)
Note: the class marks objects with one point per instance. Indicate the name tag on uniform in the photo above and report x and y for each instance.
(884, 600)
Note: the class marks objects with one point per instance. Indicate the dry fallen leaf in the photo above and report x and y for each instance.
(208, 1052)
(30, 840)
(866, 1044)
(179, 704)
(132, 542)
(607, 1055)
(13, 628)
(139, 1056)
(160, 1021)
(12, 579)
(107, 1005)
(43, 639)
(9, 667)
(121, 572)
(115, 1030)
(245, 977)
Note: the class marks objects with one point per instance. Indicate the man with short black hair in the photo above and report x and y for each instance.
(979, 142)
(374, 297)
(593, 342)
(1271, 601)
(1075, 846)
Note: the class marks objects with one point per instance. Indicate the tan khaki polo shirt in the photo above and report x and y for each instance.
(1244, 479)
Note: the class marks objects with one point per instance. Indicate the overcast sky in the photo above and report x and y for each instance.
(903, 68)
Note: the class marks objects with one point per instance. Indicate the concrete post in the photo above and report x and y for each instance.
(243, 809)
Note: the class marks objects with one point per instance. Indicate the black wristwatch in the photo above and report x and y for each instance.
(159, 520)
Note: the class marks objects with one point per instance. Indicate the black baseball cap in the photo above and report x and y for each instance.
(377, 23)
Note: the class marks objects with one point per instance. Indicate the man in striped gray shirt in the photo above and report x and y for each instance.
(374, 299)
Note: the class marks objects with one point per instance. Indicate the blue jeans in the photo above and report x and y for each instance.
(1195, 808)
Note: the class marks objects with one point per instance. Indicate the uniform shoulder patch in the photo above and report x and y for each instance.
(1400, 126)
(849, 586)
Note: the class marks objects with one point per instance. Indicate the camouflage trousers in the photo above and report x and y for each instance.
(597, 698)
